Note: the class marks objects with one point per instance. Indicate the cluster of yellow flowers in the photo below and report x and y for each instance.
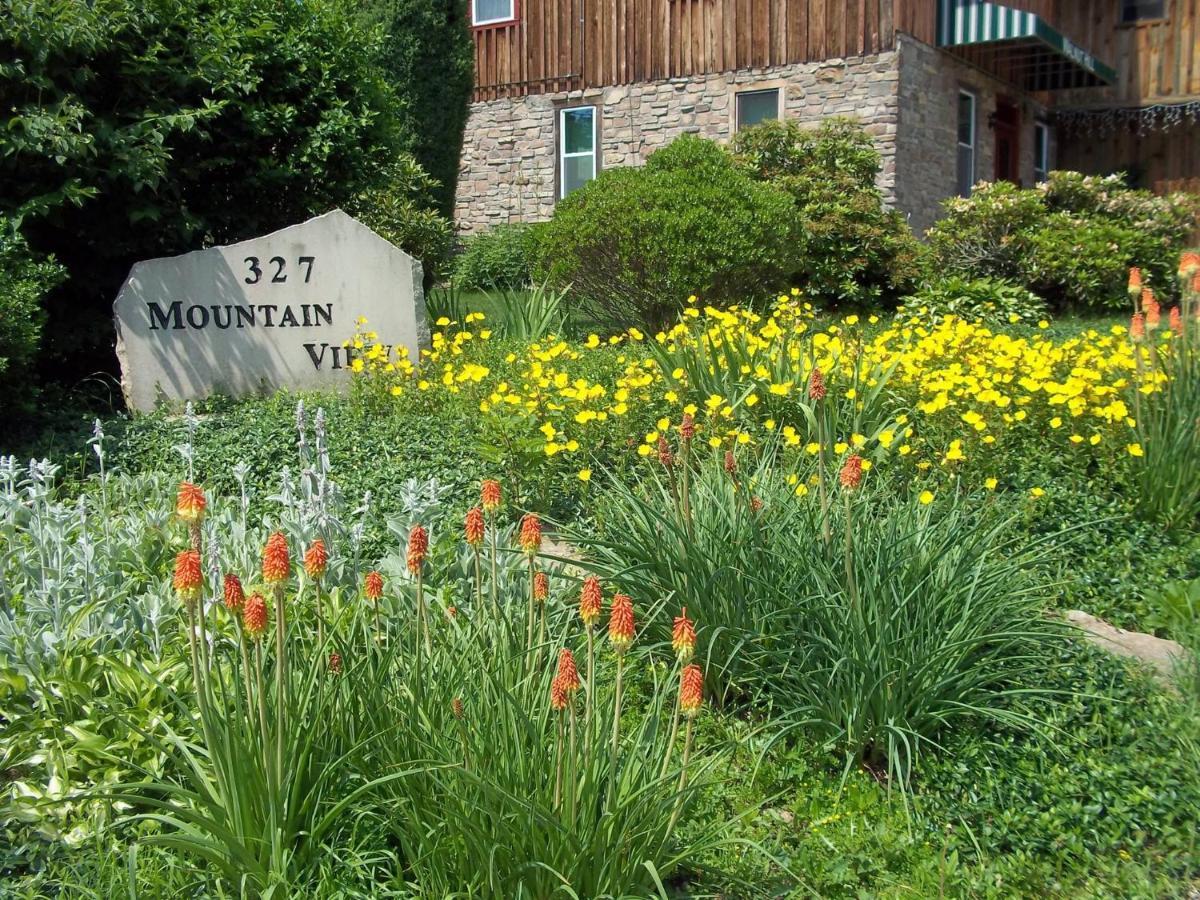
(938, 391)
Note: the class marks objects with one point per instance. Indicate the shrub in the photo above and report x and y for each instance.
(987, 300)
(1070, 240)
(849, 248)
(400, 209)
(636, 242)
(499, 259)
(24, 281)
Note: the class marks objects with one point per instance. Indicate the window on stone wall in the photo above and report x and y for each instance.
(1139, 10)
(491, 12)
(966, 143)
(1041, 152)
(756, 106)
(576, 148)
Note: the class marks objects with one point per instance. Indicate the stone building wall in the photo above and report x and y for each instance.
(508, 171)
(927, 138)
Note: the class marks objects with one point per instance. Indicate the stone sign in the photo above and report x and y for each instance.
(271, 312)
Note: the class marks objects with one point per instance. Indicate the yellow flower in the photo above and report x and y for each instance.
(1134, 449)
(714, 442)
(840, 447)
(926, 498)
(990, 484)
(593, 341)
(801, 490)
(1037, 492)
(585, 474)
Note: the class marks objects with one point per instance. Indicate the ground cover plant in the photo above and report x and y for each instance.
(859, 531)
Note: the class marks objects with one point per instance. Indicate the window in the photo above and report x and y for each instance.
(489, 12)
(1041, 151)
(757, 106)
(576, 148)
(966, 142)
(1139, 10)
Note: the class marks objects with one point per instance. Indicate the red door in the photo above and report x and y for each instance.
(1007, 128)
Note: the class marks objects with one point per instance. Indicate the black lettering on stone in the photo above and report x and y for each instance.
(216, 316)
(195, 313)
(304, 307)
(317, 358)
(159, 318)
(268, 310)
(288, 318)
(245, 316)
(326, 314)
(337, 357)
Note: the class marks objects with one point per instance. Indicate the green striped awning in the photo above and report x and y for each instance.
(1017, 46)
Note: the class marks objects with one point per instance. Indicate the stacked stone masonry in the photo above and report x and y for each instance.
(906, 99)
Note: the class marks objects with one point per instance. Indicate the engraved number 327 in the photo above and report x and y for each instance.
(255, 273)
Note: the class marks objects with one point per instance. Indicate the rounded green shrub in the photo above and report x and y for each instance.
(636, 242)
(499, 259)
(24, 280)
(849, 247)
(987, 300)
(1070, 240)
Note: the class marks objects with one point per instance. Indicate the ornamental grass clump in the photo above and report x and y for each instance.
(919, 616)
(1166, 400)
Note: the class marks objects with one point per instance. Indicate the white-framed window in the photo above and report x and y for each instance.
(1141, 10)
(1041, 152)
(966, 142)
(576, 148)
(756, 106)
(491, 12)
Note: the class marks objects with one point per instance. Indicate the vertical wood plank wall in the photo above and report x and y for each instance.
(1156, 61)
(558, 45)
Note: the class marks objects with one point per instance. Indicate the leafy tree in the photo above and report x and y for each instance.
(24, 279)
(138, 128)
(429, 59)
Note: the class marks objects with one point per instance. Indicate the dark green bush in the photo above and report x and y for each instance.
(1070, 240)
(24, 280)
(636, 242)
(400, 209)
(499, 259)
(987, 300)
(849, 248)
(429, 59)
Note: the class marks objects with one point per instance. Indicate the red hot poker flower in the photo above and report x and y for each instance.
(683, 637)
(567, 671)
(851, 475)
(418, 548)
(235, 597)
(1135, 281)
(531, 534)
(730, 463)
(590, 600)
(1152, 309)
(687, 428)
(335, 663)
(558, 695)
(456, 707)
(691, 691)
(816, 385)
(1189, 264)
(664, 452)
(620, 623)
(1176, 321)
(189, 502)
(541, 586)
(1137, 327)
(276, 564)
(187, 577)
(373, 586)
(489, 494)
(315, 560)
(254, 616)
(473, 527)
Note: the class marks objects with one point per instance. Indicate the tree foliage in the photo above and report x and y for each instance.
(139, 129)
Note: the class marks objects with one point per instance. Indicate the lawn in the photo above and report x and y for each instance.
(798, 633)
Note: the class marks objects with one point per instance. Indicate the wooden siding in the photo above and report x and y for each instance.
(558, 45)
(1156, 62)
(1162, 161)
